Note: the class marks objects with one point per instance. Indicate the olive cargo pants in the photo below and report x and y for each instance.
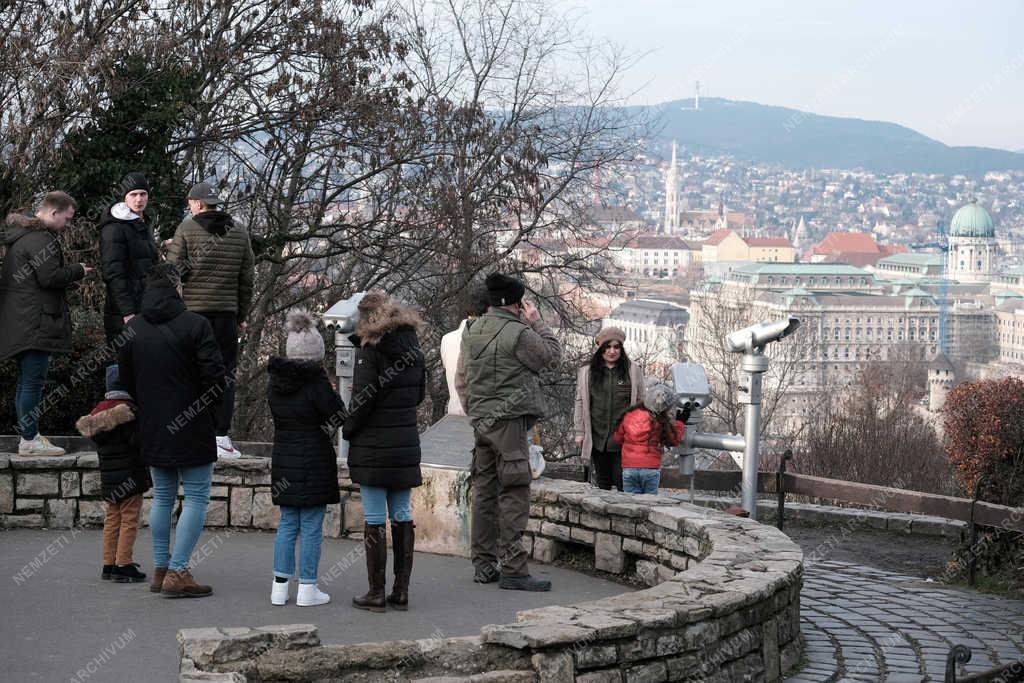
(501, 494)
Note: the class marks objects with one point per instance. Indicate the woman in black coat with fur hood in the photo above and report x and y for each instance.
(388, 384)
(304, 465)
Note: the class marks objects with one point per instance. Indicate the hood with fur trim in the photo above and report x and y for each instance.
(19, 225)
(106, 416)
(381, 315)
(288, 375)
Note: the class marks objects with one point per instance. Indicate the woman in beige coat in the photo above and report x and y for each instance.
(605, 388)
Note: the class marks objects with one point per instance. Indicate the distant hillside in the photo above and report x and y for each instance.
(797, 139)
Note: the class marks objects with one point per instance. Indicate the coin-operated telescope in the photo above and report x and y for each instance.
(691, 385)
(343, 317)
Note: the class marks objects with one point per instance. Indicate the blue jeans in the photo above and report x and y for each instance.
(306, 523)
(640, 480)
(32, 368)
(195, 481)
(377, 502)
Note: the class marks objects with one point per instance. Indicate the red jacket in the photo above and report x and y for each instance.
(634, 433)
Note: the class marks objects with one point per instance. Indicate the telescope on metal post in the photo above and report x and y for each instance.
(693, 390)
(343, 317)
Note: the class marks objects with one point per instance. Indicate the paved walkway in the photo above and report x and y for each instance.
(58, 618)
(865, 624)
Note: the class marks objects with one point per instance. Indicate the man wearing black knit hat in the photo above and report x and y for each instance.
(503, 353)
(127, 252)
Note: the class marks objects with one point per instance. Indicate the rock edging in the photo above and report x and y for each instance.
(723, 605)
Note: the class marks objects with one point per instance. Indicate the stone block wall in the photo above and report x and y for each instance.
(64, 492)
(723, 605)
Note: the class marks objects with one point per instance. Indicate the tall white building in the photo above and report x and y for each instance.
(672, 195)
(972, 245)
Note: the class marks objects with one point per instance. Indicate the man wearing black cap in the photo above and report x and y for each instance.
(127, 252)
(498, 382)
(215, 257)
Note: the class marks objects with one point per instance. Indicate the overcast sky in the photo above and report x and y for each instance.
(951, 70)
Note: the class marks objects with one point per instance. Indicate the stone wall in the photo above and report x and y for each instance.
(723, 605)
(64, 492)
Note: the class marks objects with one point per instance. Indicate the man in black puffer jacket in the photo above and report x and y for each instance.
(127, 252)
(172, 366)
(384, 441)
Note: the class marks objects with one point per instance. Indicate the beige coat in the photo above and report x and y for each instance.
(581, 414)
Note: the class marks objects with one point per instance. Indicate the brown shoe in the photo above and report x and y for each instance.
(157, 584)
(182, 585)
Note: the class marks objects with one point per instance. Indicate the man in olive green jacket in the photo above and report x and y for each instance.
(503, 353)
(215, 257)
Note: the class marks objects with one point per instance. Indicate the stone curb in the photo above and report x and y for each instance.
(723, 605)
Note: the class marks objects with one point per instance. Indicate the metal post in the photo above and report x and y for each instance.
(687, 458)
(754, 364)
(780, 486)
(344, 366)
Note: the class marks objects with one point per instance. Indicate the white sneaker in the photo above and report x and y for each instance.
(310, 595)
(225, 449)
(39, 446)
(279, 593)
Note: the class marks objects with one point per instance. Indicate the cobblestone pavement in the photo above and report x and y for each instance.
(866, 624)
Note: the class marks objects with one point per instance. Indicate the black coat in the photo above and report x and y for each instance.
(388, 383)
(304, 464)
(112, 427)
(33, 312)
(127, 252)
(172, 366)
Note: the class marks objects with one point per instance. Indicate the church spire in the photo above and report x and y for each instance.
(672, 195)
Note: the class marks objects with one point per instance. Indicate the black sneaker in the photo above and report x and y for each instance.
(485, 574)
(106, 572)
(524, 583)
(127, 573)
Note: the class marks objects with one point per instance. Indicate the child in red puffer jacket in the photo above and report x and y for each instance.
(644, 431)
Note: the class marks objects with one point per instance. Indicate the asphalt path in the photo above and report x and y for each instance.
(60, 622)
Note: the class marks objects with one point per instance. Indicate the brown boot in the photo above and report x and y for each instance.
(375, 541)
(182, 585)
(403, 542)
(157, 584)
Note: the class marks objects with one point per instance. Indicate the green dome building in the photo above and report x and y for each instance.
(972, 245)
(972, 220)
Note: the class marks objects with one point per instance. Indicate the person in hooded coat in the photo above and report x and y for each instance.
(123, 475)
(34, 318)
(214, 254)
(127, 252)
(304, 464)
(388, 383)
(171, 364)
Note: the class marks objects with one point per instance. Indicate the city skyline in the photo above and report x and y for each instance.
(956, 78)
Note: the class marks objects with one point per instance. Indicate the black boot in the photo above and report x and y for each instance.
(105, 574)
(375, 541)
(403, 543)
(127, 573)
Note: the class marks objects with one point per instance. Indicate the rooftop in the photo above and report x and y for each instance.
(911, 259)
(651, 312)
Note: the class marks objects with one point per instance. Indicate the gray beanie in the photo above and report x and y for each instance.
(659, 398)
(304, 341)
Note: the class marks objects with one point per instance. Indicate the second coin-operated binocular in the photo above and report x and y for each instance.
(344, 315)
(691, 385)
(756, 337)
